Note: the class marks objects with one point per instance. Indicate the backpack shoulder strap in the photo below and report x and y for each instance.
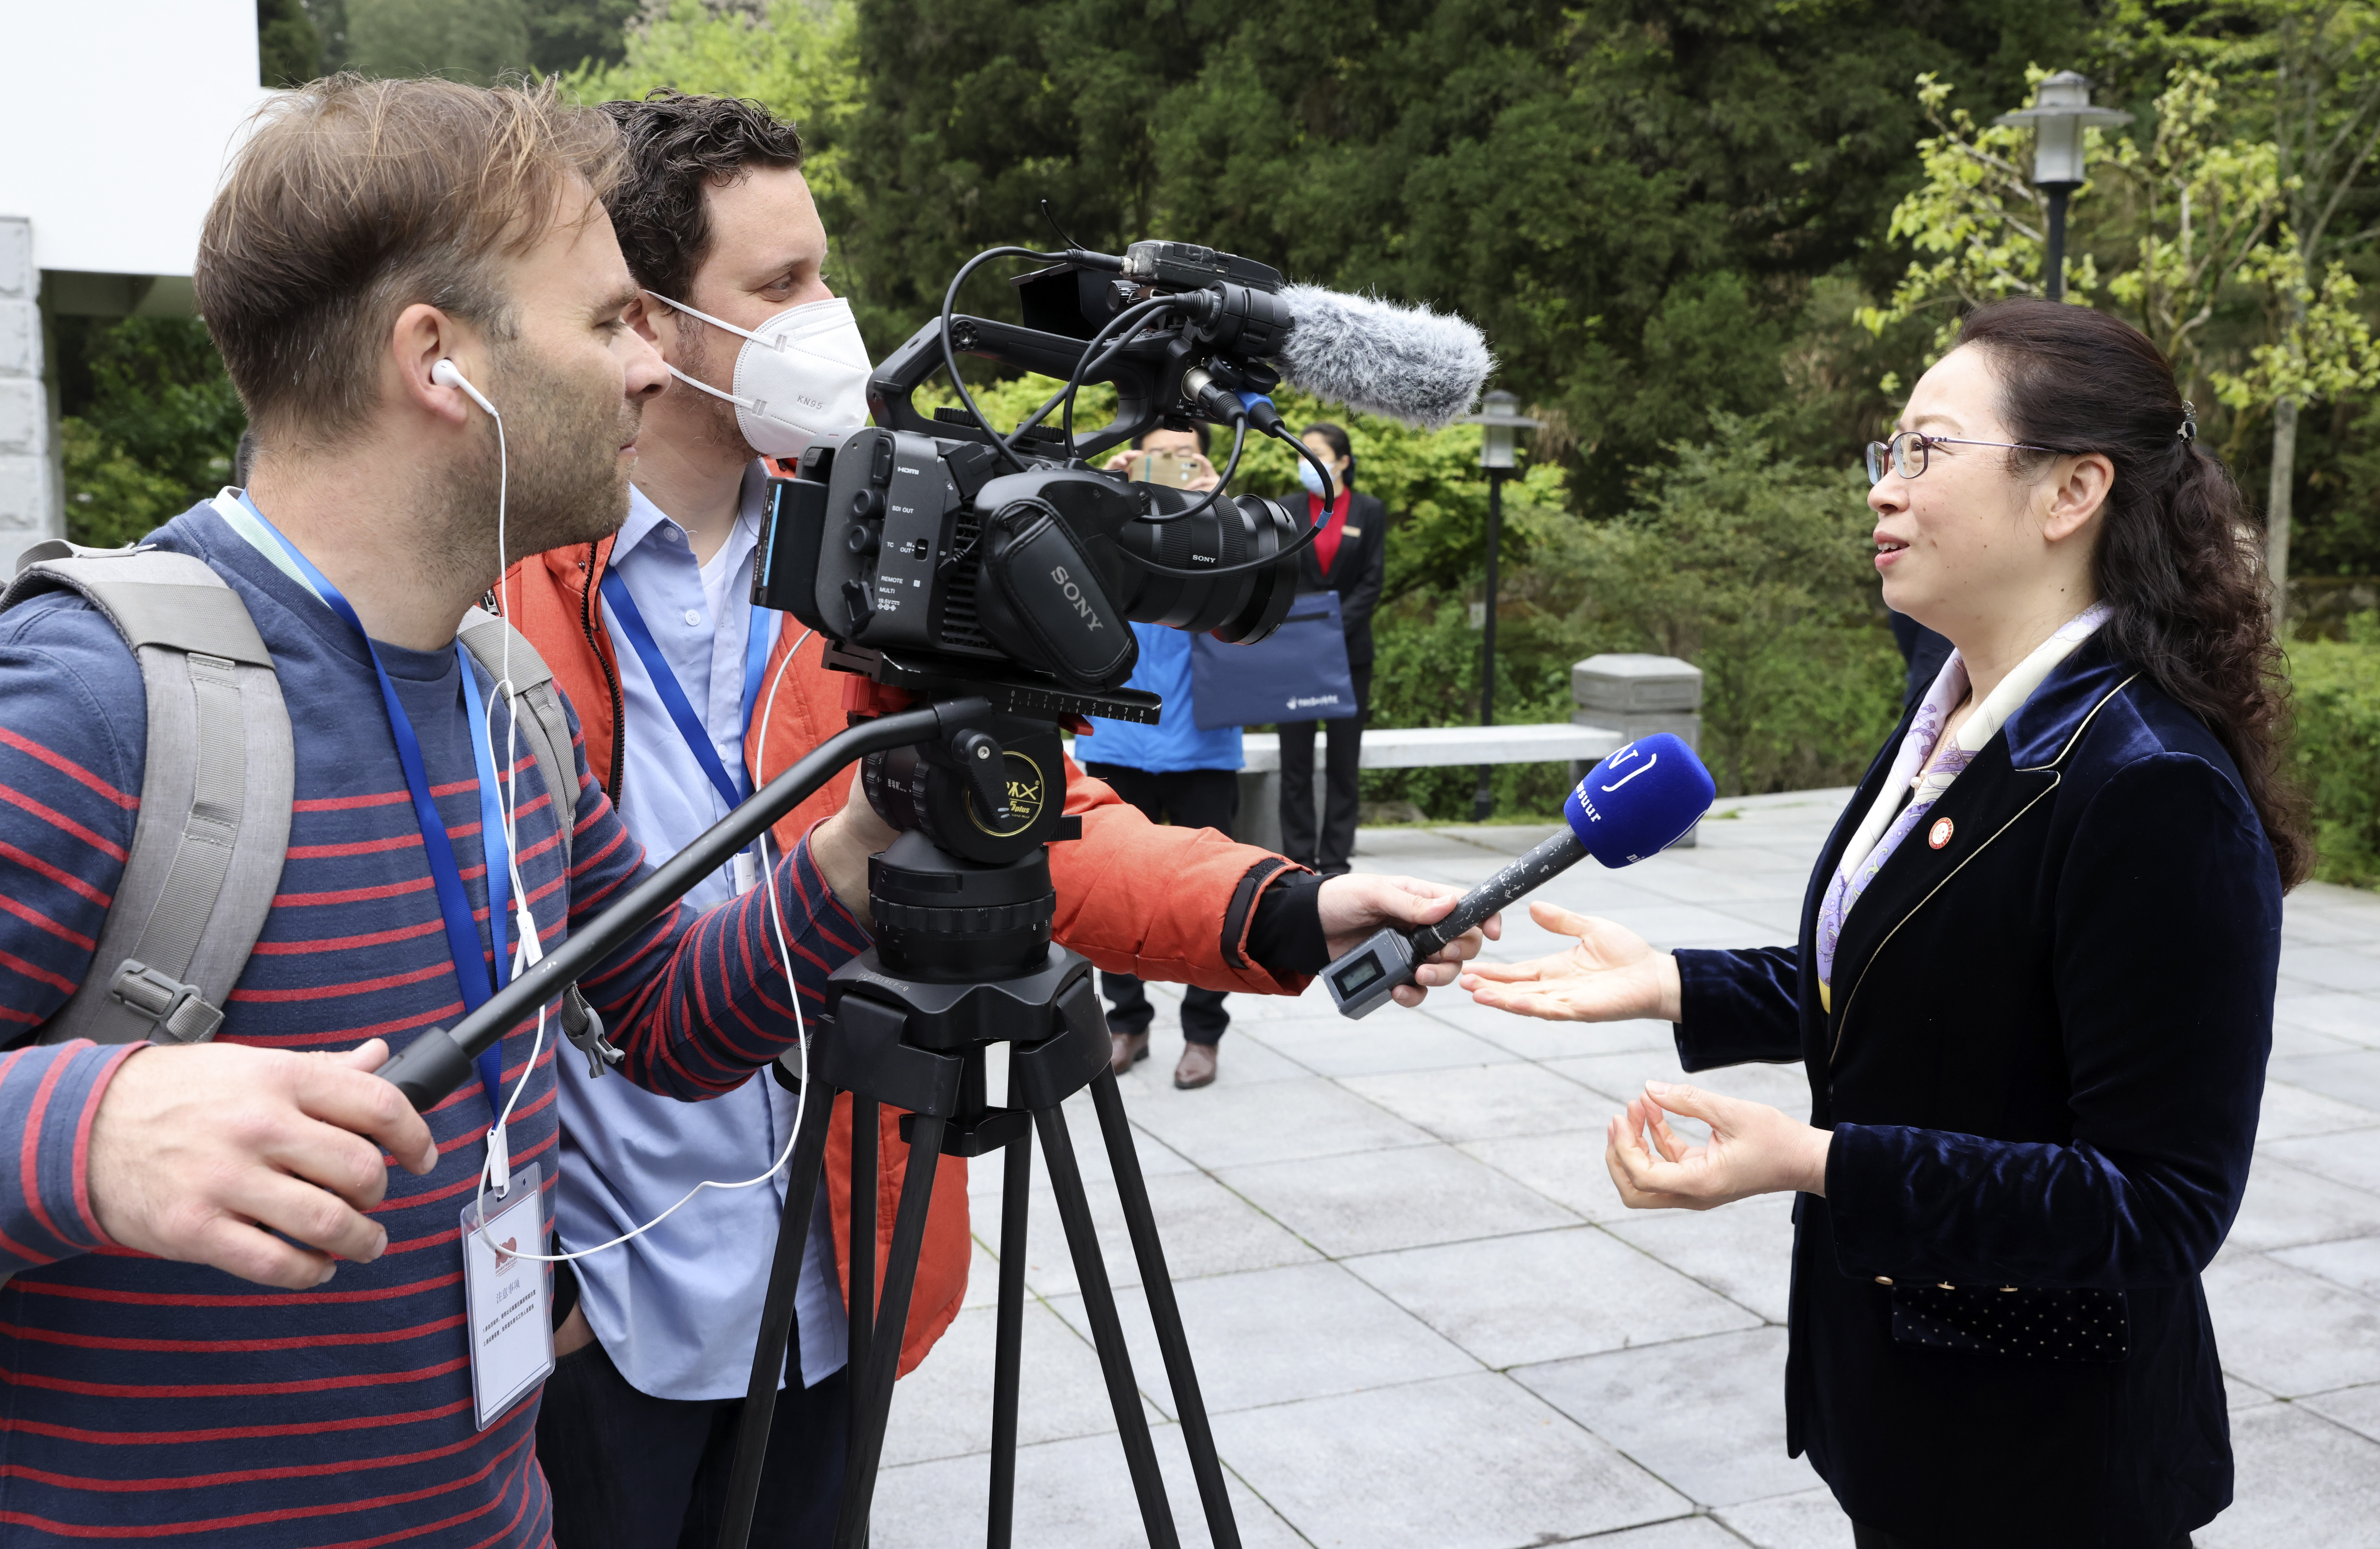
(545, 728)
(215, 790)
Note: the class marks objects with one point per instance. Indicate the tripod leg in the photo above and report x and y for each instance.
(1107, 1330)
(776, 1319)
(1008, 1357)
(891, 1322)
(1164, 1311)
(862, 1301)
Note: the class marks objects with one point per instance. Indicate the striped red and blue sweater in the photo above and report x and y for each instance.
(148, 1400)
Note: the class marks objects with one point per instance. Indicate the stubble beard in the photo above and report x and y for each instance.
(567, 483)
(715, 429)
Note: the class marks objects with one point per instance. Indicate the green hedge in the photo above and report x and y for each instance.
(2337, 690)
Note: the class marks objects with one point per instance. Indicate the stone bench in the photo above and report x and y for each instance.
(1619, 697)
(1409, 747)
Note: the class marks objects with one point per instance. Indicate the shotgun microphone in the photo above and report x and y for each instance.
(1408, 363)
(1635, 804)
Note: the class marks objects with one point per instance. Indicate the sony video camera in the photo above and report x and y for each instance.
(954, 552)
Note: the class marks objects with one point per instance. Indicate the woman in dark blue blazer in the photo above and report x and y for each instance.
(2034, 987)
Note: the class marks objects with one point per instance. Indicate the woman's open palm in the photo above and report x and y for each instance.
(1612, 975)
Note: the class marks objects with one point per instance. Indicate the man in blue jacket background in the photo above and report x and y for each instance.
(1176, 773)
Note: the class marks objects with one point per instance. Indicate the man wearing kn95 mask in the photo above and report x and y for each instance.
(688, 697)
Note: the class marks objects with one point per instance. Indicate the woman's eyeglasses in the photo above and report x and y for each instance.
(1909, 452)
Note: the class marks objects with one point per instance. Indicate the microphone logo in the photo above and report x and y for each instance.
(1633, 773)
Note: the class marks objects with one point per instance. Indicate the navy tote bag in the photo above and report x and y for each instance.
(1297, 673)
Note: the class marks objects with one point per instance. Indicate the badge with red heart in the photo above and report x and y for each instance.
(1939, 835)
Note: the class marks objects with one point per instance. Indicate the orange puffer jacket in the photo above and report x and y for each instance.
(1132, 896)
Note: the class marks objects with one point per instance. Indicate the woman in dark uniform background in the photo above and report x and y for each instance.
(1350, 557)
(2033, 984)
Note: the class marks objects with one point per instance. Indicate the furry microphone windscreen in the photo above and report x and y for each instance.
(1408, 363)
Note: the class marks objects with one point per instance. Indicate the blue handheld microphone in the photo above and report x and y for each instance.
(1635, 804)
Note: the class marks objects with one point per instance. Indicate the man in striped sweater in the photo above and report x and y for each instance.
(369, 233)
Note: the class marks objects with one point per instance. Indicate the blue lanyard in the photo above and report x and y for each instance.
(758, 636)
(681, 710)
(446, 876)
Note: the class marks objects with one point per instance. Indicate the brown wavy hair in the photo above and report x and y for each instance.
(2180, 556)
(355, 198)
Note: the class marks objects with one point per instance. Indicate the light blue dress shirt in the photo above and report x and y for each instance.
(678, 1308)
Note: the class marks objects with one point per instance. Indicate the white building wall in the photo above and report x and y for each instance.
(30, 507)
(119, 118)
(116, 124)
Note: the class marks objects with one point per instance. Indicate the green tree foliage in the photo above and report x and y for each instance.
(1634, 199)
(1756, 568)
(1744, 560)
(475, 41)
(288, 47)
(149, 427)
(330, 19)
(2206, 220)
(799, 60)
(1976, 221)
(570, 34)
(2195, 213)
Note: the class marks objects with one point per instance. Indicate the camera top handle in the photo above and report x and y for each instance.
(1230, 320)
(1138, 372)
(439, 1060)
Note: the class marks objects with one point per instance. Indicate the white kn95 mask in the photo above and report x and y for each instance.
(802, 373)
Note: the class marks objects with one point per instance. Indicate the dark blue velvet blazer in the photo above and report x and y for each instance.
(2042, 1068)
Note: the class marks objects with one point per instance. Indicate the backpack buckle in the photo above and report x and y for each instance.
(181, 1013)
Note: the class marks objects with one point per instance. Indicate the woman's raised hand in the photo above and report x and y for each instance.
(1753, 1149)
(1613, 974)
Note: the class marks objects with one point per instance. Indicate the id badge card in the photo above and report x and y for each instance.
(505, 1296)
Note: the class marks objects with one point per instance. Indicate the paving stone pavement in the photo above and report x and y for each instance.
(1422, 1321)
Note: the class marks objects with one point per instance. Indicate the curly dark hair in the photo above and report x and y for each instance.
(677, 146)
(2180, 559)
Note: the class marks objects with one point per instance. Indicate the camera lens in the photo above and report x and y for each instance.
(1240, 608)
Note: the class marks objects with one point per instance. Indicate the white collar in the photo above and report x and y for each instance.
(1912, 764)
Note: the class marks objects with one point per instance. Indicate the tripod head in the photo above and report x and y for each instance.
(963, 903)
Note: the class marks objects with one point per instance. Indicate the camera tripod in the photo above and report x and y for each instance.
(894, 1035)
(963, 960)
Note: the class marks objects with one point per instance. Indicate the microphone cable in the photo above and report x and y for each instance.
(1305, 540)
(1085, 365)
(1222, 482)
(950, 354)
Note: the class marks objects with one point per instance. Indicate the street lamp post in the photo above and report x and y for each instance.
(1497, 421)
(2061, 109)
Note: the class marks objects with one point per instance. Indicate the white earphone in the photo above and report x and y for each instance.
(446, 373)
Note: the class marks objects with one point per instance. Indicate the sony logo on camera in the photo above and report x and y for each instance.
(1083, 608)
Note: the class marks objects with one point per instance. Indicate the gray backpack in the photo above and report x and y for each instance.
(213, 825)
